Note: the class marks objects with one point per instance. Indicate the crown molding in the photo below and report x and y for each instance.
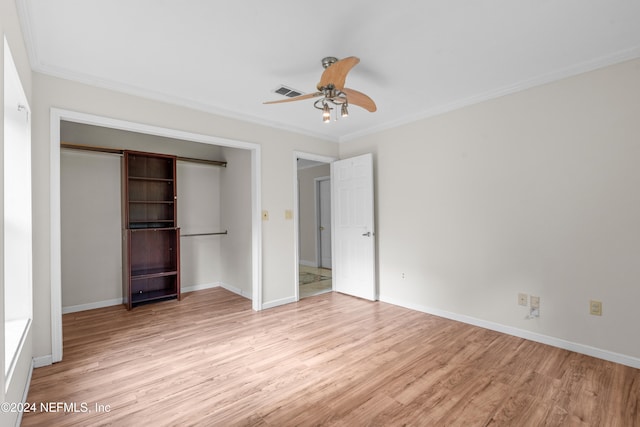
(173, 100)
(585, 67)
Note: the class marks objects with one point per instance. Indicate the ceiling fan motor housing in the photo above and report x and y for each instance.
(329, 60)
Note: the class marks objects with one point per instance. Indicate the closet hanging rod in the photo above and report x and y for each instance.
(120, 152)
(205, 234)
(204, 161)
(91, 148)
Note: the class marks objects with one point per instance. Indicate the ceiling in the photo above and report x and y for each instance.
(418, 58)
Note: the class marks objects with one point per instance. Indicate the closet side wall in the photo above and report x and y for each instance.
(235, 210)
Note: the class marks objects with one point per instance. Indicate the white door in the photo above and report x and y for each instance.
(354, 237)
(324, 228)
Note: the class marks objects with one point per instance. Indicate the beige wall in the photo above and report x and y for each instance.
(235, 212)
(10, 28)
(534, 192)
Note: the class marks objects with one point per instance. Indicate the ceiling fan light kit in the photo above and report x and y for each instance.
(334, 97)
(332, 91)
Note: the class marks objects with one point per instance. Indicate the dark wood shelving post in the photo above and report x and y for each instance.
(151, 249)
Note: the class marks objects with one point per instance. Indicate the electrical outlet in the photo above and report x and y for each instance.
(402, 275)
(535, 302)
(523, 299)
(595, 308)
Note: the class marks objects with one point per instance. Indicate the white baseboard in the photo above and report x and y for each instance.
(610, 356)
(118, 301)
(91, 305)
(39, 362)
(199, 287)
(278, 302)
(226, 286)
(308, 263)
(236, 290)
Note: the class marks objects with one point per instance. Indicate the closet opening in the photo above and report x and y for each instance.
(218, 211)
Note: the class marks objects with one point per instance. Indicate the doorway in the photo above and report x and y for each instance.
(313, 225)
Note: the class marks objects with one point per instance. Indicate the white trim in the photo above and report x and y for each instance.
(437, 110)
(22, 7)
(39, 362)
(56, 115)
(296, 211)
(235, 290)
(55, 244)
(574, 70)
(310, 156)
(318, 215)
(91, 306)
(622, 359)
(198, 287)
(175, 100)
(118, 301)
(256, 225)
(278, 302)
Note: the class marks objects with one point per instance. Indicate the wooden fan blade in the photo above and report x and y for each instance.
(360, 99)
(336, 74)
(295, 98)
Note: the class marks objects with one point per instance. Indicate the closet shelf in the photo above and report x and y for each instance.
(151, 202)
(143, 178)
(151, 273)
(157, 225)
(141, 297)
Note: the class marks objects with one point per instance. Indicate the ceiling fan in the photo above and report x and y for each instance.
(332, 91)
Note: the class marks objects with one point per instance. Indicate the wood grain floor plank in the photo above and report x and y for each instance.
(331, 359)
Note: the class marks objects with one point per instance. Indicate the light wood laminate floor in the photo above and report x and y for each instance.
(331, 359)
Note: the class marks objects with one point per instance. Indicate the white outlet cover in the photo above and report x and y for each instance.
(535, 302)
(523, 299)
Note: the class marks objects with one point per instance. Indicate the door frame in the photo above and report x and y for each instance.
(318, 198)
(296, 222)
(56, 115)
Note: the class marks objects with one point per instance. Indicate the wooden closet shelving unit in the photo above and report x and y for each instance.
(151, 247)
